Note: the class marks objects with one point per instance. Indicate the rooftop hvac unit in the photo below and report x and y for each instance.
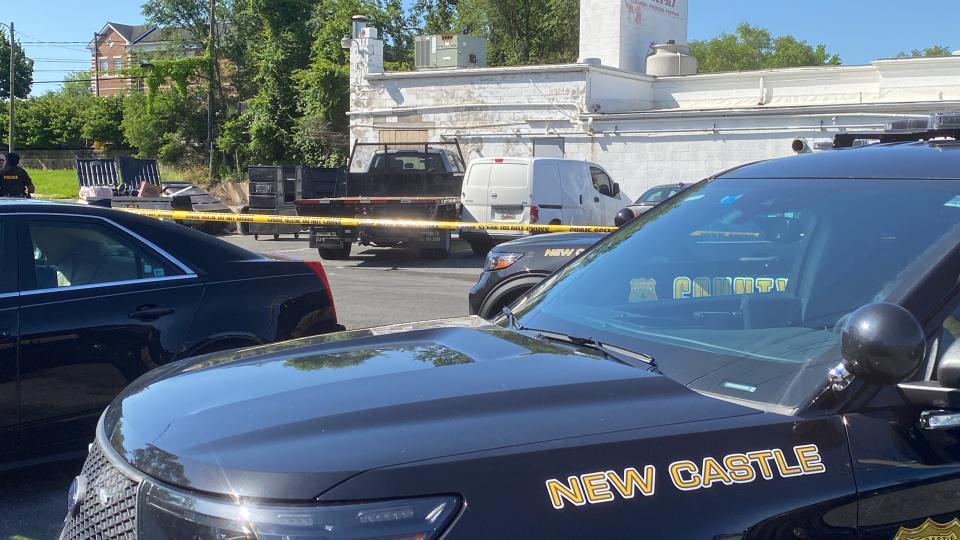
(450, 51)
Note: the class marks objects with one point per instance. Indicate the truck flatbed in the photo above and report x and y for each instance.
(346, 201)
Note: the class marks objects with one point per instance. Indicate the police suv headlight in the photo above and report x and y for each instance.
(499, 261)
(165, 512)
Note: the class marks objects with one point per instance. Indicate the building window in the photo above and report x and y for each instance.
(117, 63)
(104, 65)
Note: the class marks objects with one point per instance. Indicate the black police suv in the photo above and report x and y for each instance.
(513, 268)
(91, 298)
(771, 354)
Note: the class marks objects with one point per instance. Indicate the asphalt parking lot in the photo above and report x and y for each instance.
(374, 287)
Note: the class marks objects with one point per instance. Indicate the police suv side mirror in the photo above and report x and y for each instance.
(616, 189)
(882, 343)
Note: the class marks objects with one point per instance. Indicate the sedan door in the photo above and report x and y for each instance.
(100, 306)
(9, 331)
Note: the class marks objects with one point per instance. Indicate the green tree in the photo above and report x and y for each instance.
(103, 120)
(752, 48)
(284, 48)
(189, 15)
(50, 121)
(435, 16)
(22, 70)
(936, 50)
(524, 31)
(172, 128)
(76, 85)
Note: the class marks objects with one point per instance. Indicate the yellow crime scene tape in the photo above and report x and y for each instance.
(223, 217)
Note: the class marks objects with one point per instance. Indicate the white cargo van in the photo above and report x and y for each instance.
(535, 190)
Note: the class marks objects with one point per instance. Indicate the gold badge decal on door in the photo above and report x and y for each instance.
(931, 530)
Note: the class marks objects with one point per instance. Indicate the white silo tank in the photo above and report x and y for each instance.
(671, 59)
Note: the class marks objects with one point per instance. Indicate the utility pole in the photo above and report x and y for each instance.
(210, 81)
(96, 62)
(11, 88)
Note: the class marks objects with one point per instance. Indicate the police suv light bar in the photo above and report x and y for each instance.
(937, 125)
(950, 120)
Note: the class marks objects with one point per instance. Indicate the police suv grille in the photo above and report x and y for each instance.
(109, 510)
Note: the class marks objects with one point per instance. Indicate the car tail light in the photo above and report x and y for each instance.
(534, 214)
(319, 271)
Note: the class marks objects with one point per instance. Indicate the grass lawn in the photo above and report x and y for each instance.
(55, 184)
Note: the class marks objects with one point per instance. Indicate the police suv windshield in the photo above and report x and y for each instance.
(740, 287)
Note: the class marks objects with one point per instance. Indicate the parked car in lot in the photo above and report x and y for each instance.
(513, 268)
(91, 298)
(648, 200)
(774, 355)
(549, 191)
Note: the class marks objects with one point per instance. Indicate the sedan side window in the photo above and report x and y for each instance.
(69, 254)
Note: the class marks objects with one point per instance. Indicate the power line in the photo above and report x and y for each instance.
(102, 79)
(53, 42)
(60, 61)
(71, 49)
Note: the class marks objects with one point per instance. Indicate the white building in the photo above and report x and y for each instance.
(645, 130)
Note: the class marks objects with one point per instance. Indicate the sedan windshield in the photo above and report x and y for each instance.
(739, 287)
(658, 194)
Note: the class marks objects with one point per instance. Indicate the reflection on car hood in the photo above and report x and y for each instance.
(292, 420)
(552, 240)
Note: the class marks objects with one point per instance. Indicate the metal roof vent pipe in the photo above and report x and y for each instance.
(358, 23)
(671, 59)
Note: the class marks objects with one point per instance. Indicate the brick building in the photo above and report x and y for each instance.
(120, 46)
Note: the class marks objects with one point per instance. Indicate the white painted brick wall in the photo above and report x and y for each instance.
(650, 131)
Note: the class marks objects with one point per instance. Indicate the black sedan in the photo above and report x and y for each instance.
(772, 355)
(513, 268)
(91, 298)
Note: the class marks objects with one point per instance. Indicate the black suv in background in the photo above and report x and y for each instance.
(513, 268)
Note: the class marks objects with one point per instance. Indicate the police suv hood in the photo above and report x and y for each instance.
(294, 419)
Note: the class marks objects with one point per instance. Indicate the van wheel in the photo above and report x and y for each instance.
(336, 254)
(480, 249)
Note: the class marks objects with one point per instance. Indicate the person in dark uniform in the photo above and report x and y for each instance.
(14, 181)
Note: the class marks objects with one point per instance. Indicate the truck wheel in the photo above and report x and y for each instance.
(336, 254)
(480, 248)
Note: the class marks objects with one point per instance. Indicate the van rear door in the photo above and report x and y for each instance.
(509, 190)
(476, 190)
